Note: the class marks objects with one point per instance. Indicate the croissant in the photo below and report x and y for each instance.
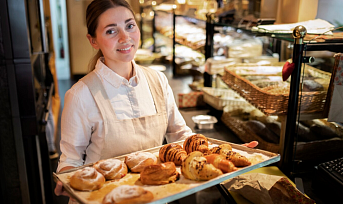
(111, 168)
(195, 167)
(128, 194)
(220, 148)
(172, 152)
(139, 160)
(234, 157)
(197, 142)
(158, 174)
(87, 179)
(220, 162)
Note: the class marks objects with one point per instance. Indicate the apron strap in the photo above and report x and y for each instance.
(100, 96)
(155, 89)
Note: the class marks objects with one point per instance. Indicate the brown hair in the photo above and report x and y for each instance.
(94, 10)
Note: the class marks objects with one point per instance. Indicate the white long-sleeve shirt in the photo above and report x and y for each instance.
(82, 120)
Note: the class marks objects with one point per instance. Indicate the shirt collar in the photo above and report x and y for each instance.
(113, 78)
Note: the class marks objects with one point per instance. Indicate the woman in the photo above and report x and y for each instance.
(119, 107)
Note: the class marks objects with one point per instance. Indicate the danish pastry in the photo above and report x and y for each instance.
(137, 161)
(196, 167)
(128, 194)
(172, 153)
(111, 168)
(197, 142)
(159, 174)
(87, 179)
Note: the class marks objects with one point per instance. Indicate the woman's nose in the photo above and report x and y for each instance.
(124, 37)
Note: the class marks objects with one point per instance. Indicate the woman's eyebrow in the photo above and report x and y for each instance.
(114, 24)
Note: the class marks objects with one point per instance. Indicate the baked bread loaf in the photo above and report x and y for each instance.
(172, 153)
(226, 150)
(158, 174)
(111, 168)
(128, 194)
(220, 162)
(261, 130)
(137, 161)
(197, 142)
(87, 179)
(196, 167)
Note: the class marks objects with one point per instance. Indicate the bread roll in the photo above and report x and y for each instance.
(128, 194)
(139, 160)
(111, 168)
(87, 179)
(158, 174)
(261, 130)
(310, 85)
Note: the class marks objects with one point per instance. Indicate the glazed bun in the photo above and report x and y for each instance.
(128, 194)
(87, 179)
(111, 168)
(139, 160)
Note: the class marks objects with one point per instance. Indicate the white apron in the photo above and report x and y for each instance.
(129, 135)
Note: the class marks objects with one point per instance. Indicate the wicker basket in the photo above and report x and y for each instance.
(246, 135)
(275, 103)
(219, 98)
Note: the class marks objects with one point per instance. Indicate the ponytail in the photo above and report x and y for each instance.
(94, 60)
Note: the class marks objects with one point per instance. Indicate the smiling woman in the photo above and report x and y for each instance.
(119, 107)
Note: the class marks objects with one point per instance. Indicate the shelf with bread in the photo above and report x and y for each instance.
(272, 98)
(163, 174)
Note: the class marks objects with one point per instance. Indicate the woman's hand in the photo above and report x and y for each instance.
(251, 144)
(59, 190)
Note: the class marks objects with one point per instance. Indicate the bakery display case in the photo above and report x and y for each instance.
(286, 116)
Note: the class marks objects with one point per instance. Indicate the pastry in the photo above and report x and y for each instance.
(196, 167)
(197, 142)
(87, 179)
(237, 159)
(128, 194)
(158, 174)
(172, 152)
(220, 162)
(226, 150)
(139, 160)
(111, 168)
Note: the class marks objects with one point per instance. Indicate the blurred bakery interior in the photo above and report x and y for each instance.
(264, 70)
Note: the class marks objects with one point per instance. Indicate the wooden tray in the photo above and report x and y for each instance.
(169, 192)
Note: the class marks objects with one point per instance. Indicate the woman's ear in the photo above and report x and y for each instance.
(92, 41)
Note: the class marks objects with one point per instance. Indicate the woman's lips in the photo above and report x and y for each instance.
(125, 50)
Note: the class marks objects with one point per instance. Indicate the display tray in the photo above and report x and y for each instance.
(173, 191)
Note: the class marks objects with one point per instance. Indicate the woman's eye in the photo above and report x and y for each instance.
(110, 32)
(131, 26)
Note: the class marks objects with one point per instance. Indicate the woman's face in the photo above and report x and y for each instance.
(117, 35)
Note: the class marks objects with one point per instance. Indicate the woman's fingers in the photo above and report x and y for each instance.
(59, 188)
(251, 144)
(60, 191)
